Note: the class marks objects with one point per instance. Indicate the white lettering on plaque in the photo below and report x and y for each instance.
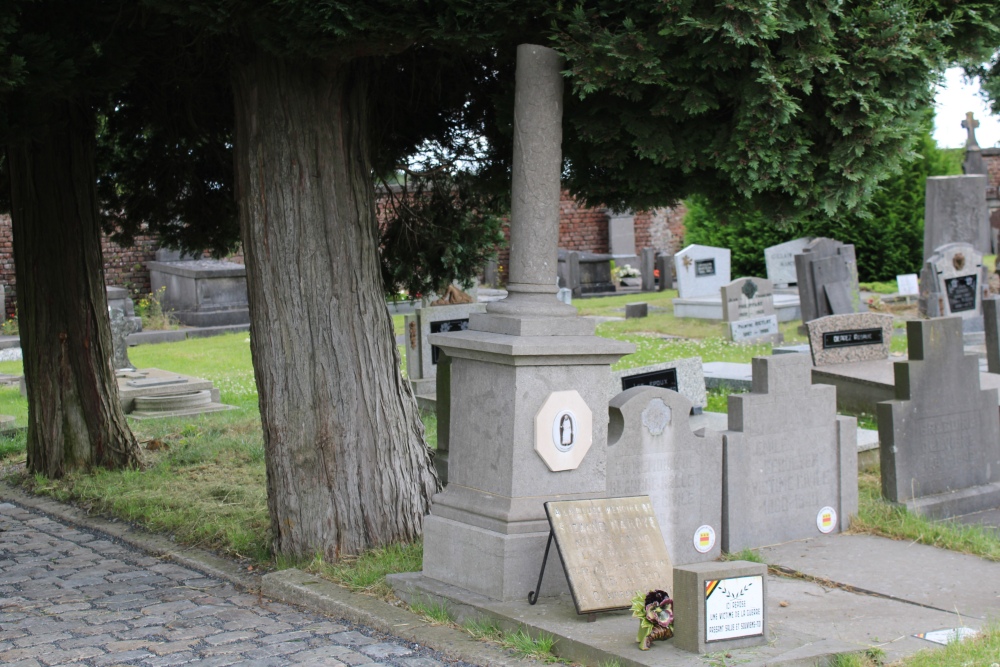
(734, 608)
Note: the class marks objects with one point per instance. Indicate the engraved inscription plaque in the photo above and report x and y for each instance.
(704, 267)
(961, 293)
(834, 339)
(666, 378)
(611, 548)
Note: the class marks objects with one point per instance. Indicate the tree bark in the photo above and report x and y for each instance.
(75, 419)
(347, 468)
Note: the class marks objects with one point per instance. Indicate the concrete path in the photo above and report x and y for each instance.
(71, 596)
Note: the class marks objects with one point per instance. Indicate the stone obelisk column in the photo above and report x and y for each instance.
(526, 359)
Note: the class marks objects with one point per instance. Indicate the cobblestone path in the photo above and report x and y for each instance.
(69, 596)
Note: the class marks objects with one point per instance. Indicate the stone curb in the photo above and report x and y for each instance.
(291, 586)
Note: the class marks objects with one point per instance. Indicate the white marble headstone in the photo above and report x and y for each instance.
(780, 261)
(701, 271)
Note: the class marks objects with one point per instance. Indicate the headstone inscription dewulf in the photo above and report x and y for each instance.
(652, 451)
(827, 273)
(610, 548)
(952, 282)
(790, 466)
(748, 308)
(780, 261)
(841, 339)
(955, 211)
(701, 270)
(939, 439)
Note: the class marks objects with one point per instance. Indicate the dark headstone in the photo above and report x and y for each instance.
(121, 327)
(665, 265)
(939, 438)
(825, 262)
(647, 266)
(634, 310)
(991, 318)
(442, 407)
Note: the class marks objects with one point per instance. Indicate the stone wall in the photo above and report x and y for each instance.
(991, 156)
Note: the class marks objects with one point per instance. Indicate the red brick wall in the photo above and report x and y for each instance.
(661, 229)
(991, 156)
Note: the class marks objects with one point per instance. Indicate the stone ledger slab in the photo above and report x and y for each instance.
(791, 463)
(940, 436)
(202, 292)
(838, 339)
(786, 307)
(653, 451)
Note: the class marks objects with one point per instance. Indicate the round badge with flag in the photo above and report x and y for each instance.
(704, 539)
(826, 520)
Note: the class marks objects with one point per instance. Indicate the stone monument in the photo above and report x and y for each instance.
(528, 382)
(973, 163)
(955, 211)
(200, 292)
(701, 270)
(841, 339)
(748, 310)
(940, 437)
(780, 261)
(790, 466)
(652, 451)
(121, 327)
(686, 376)
(827, 273)
(953, 282)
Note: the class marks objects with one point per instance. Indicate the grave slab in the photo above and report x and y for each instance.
(786, 307)
(940, 436)
(791, 463)
(202, 292)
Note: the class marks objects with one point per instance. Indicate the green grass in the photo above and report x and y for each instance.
(878, 517)
(746, 554)
(435, 613)
(982, 650)
(887, 287)
(366, 573)
(520, 642)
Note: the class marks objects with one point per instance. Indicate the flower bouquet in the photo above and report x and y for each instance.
(655, 612)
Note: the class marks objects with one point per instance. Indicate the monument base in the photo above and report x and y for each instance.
(786, 307)
(176, 394)
(956, 503)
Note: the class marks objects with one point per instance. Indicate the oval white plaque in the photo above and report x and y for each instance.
(704, 539)
(826, 520)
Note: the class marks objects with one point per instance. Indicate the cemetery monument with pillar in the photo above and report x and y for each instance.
(529, 378)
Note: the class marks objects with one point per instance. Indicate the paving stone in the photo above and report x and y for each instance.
(421, 662)
(385, 650)
(352, 637)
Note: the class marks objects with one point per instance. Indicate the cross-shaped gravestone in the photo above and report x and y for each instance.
(970, 124)
(121, 327)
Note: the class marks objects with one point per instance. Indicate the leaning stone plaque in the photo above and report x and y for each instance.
(610, 548)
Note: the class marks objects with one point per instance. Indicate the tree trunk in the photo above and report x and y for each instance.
(347, 468)
(75, 419)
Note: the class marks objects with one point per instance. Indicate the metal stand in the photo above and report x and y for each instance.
(533, 595)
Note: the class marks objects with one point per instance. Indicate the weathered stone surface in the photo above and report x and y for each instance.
(634, 310)
(585, 272)
(121, 327)
(647, 266)
(940, 437)
(953, 282)
(690, 585)
(439, 319)
(665, 265)
(756, 330)
(840, 339)
(788, 458)
(827, 274)
(685, 376)
(202, 292)
(955, 211)
(747, 298)
(652, 451)
(991, 318)
(621, 233)
(701, 270)
(780, 261)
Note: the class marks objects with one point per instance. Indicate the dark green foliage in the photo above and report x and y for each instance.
(888, 239)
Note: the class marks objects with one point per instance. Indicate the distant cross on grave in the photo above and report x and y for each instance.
(970, 124)
(121, 327)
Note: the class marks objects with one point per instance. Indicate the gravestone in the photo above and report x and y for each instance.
(720, 606)
(665, 265)
(827, 273)
(202, 292)
(584, 272)
(939, 438)
(685, 376)
(647, 267)
(790, 466)
(748, 308)
(121, 327)
(421, 356)
(841, 339)
(955, 211)
(991, 319)
(636, 310)
(652, 451)
(780, 261)
(621, 234)
(701, 270)
(953, 282)
(118, 297)
(974, 163)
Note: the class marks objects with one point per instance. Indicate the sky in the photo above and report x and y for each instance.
(953, 100)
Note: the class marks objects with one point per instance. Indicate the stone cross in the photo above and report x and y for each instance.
(121, 327)
(970, 124)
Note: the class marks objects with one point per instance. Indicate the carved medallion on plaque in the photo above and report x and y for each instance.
(563, 430)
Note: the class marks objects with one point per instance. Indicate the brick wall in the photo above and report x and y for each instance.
(661, 229)
(991, 156)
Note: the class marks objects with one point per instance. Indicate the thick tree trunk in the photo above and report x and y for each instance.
(75, 420)
(347, 468)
